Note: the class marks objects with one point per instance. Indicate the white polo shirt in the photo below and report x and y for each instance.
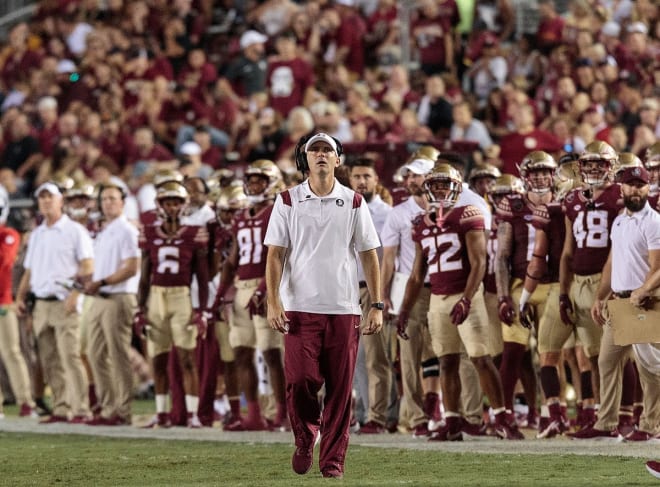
(632, 238)
(117, 242)
(200, 217)
(53, 256)
(322, 235)
(397, 232)
(379, 211)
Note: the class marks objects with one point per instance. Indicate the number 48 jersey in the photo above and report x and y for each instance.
(591, 222)
(172, 255)
(445, 249)
(249, 231)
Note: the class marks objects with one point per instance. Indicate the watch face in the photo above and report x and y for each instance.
(380, 306)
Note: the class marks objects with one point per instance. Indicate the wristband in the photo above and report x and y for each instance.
(104, 282)
(524, 297)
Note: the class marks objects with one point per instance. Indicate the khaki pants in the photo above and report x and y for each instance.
(12, 358)
(379, 368)
(412, 353)
(109, 324)
(58, 338)
(246, 331)
(648, 365)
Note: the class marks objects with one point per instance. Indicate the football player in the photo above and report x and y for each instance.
(450, 242)
(515, 240)
(172, 252)
(652, 164)
(589, 212)
(245, 268)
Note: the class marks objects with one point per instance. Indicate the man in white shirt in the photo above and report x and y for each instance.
(632, 271)
(314, 233)
(374, 361)
(59, 250)
(109, 319)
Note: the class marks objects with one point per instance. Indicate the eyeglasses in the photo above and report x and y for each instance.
(323, 149)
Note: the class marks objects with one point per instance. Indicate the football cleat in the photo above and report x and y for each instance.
(27, 411)
(55, 418)
(371, 428)
(592, 433)
(653, 468)
(421, 431)
(638, 435)
(160, 420)
(553, 429)
(474, 431)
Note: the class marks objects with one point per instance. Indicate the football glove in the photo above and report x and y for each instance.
(402, 324)
(566, 309)
(460, 311)
(506, 310)
(140, 323)
(528, 315)
(257, 304)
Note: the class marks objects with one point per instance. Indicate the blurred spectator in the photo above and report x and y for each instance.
(211, 154)
(488, 72)
(47, 124)
(434, 110)
(298, 124)
(17, 58)
(289, 78)
(266, 135)
(525, 138)
(197, 73)
(308, 35)
(525, 65)
(648, 115)
(349, 37)
(145, 148)
(595, 116)
(466, 127)
(551, 27)
(382, 32)
(619, 139)
(328, 118)
(432, 33)
(411, 129)
(21, 153)
(247, 73)
(563, 128)
(272, 15)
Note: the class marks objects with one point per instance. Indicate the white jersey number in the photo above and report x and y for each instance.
(443, 262)
(590, 229)
(168, 260)
(250, 245)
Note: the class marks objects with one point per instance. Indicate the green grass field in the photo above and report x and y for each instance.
(68, 460)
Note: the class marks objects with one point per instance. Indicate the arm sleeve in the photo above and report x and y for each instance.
(129, 244)
(277, 232)
(29, 255)
(84, 244)
(365, 236)
(390, 234)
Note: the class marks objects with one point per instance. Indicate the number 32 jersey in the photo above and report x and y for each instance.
(172, 255)
(445, 249)
(591, 222)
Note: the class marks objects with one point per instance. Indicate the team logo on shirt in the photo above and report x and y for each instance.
(9, 239)
(569, 197)
(158, 241)
(339, 202)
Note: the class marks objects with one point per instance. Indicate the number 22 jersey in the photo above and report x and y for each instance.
(445, 249)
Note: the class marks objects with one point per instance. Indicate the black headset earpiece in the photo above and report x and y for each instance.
(301, 156)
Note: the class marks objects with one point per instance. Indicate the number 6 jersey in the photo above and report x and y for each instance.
(591, 222)
(444, 247)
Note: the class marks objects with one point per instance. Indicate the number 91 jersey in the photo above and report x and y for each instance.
(444, 247)
(249, 231)
(172, 255)
(591, 222)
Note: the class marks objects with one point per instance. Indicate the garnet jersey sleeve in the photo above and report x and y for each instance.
(550, 220)
(591, 221)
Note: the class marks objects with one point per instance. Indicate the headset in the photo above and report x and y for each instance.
(301, 157)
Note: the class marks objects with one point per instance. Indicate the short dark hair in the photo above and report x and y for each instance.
(361, 162)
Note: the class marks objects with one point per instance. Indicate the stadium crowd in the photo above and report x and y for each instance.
(178, 124)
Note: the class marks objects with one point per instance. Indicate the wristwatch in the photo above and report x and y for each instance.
(379, 305)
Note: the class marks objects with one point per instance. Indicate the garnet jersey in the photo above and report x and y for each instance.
(172, 255)
(550, 219)
(591, 222)
(516, 210)
(445, 249)
(249, 231)
(222, 242)
(9, 244)
(490, 284)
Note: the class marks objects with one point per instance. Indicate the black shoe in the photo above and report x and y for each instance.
(42, 408)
